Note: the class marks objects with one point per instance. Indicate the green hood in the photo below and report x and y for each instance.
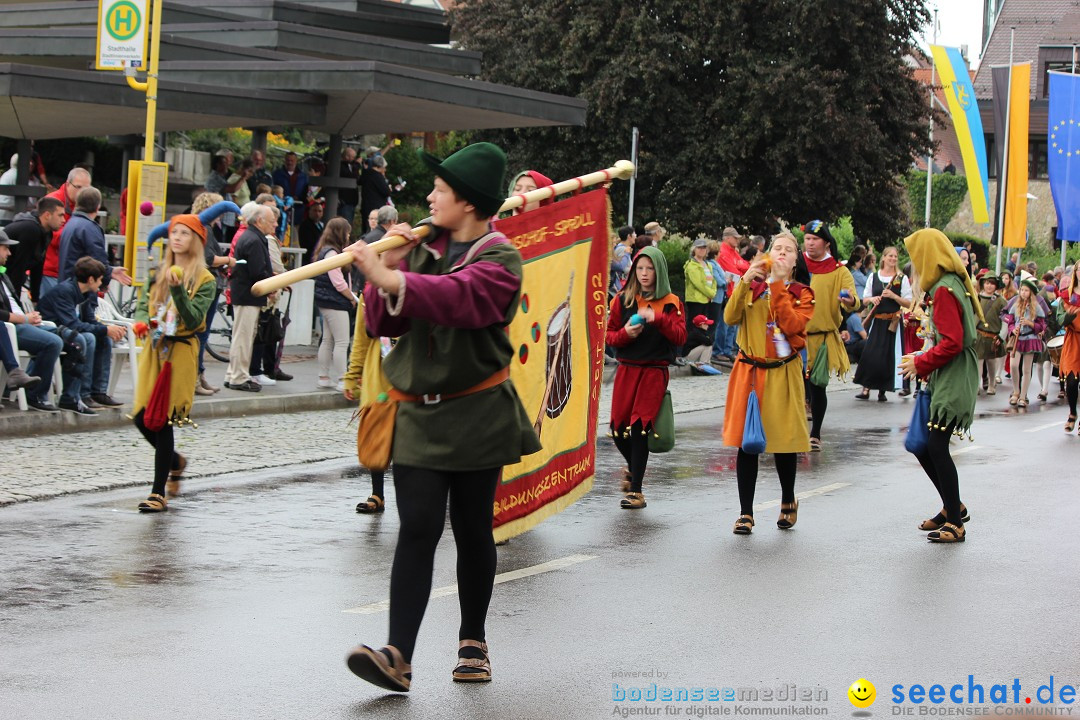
(663, 283)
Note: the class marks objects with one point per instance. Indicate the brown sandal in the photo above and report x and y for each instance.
(391, 673)
(789, 515)
(938, 521)
(744, 525)
(948, 533)
(154, 503)
(632, 501)
(172, 485)
(374, 504)
(815, 444)
(626, 478)
(1070, 424)
(469, 669)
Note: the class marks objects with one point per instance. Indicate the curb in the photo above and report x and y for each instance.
(31, 422)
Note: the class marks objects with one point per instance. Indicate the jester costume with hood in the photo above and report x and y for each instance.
(642, 376)
(954, 311)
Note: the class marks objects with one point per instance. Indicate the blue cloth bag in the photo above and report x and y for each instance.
(918, 434)
(753, 434)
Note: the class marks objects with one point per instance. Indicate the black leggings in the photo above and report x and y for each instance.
(819, 403)
(938, 464)
(1072, 383)
(746, 467)
(165, 457)
(635, 450)
(377, 477)
(421, 496)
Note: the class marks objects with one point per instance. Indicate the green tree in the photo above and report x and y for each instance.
(748, 109)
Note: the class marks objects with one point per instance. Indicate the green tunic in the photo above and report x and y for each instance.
(984, 346)
(484, 430)
(954, 386)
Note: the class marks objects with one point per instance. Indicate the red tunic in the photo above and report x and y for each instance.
(640, 382)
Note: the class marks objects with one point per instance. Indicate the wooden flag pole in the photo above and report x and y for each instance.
(622, 170)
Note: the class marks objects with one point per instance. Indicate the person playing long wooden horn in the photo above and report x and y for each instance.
(171, 311)
(458, 420)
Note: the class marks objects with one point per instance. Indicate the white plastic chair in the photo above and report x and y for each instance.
(129, 349)
(20, 394)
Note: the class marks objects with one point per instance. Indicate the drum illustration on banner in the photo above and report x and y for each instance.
(560, 367)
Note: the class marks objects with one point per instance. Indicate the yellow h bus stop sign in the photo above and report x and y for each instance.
(121, 37)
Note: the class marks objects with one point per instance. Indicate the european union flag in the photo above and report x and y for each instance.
(1063, 149)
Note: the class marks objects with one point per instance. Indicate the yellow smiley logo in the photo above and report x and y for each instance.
(862, 693)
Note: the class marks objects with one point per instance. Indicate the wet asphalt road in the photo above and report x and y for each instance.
(232, 604)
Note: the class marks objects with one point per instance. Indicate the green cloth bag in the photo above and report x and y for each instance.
(662, 438)
(819, 374)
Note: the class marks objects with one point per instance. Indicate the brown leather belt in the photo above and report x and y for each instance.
(767, 364)
(986, 333)
(885, 316)
(498, 378)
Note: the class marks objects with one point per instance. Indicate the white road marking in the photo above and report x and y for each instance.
(803, 495)
(966, 449)
(1047, 426)
(549, 566)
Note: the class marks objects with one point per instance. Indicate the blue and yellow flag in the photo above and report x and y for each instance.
(953, 73)
(1063, 149)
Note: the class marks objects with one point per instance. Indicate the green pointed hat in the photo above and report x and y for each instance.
(476, 173)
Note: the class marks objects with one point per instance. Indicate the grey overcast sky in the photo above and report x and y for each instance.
(959, 23)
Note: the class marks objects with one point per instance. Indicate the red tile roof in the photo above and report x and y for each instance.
(1037, 22)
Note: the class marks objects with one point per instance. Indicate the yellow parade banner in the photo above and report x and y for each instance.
(559, 335)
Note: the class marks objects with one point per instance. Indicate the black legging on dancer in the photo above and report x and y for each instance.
(377, 485)
(819, 403)
(940, 468)
(635, 450)
(1072, 384)
(421, 495)
(746, 471)
(165, 457)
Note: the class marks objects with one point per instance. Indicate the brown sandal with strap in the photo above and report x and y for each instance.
(374, 504)
(744, 525)
(153, 504)
(391, 673)
(1070, 424)
(948, 533)
(633, 501)
(626, 478)
(172, 485)
(470, 669)
(938, 521)
(789, 515)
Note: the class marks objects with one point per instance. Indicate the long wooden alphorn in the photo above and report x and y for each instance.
(622, 170)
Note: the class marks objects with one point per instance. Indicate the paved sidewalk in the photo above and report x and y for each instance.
(37, 468)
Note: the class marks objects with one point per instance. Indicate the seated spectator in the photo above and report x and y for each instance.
(41, 344)
(33, 231)
(699, 340)
(71, 305)
(854, 337)
(16, 376)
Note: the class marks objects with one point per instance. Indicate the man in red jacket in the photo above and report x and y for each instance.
(77, 179)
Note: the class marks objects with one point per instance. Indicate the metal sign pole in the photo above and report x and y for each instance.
(633, 178)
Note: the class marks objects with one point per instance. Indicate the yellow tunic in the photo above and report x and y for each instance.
(780, 390)
(365, 378)
(824, 326)
(182, 350)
